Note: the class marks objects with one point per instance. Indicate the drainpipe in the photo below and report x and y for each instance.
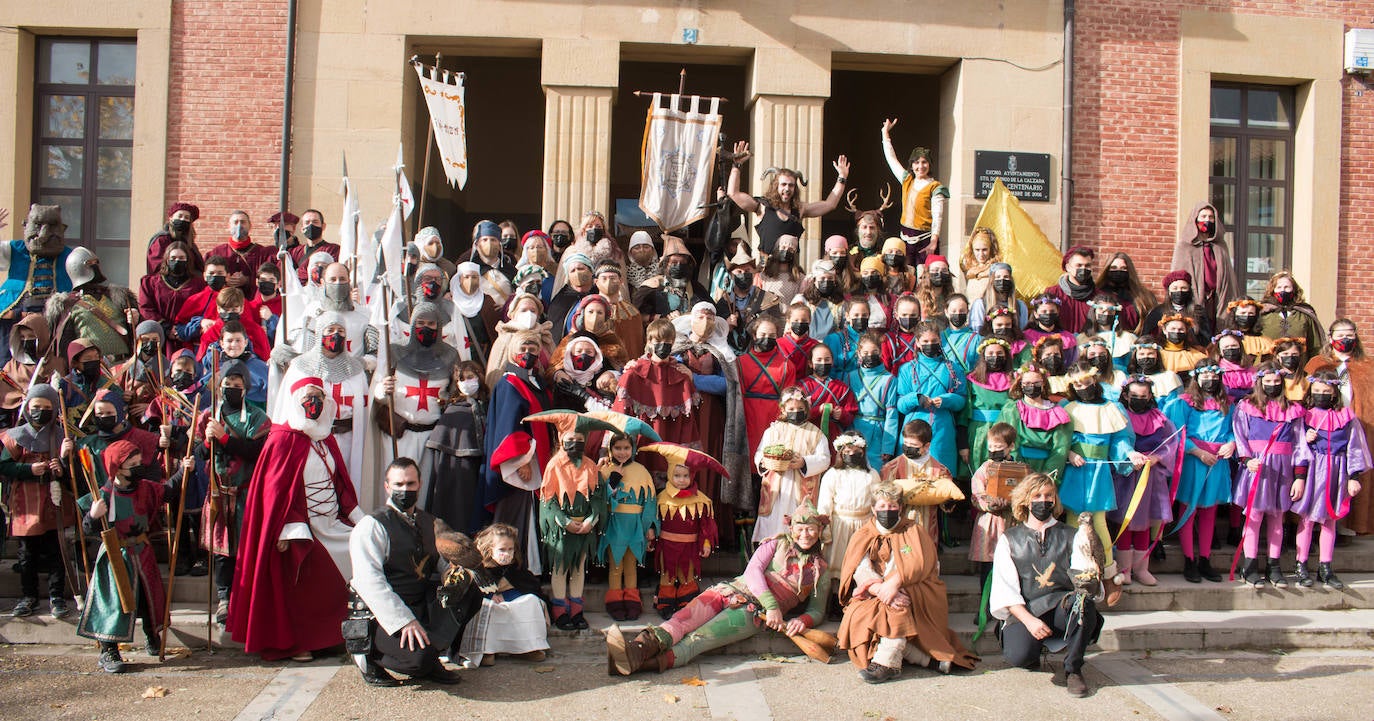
(1066, 151)
(284, 198)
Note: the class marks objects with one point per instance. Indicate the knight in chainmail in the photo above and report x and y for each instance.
(345, 381)
(337, 297)
(428, 287)
(421, 370)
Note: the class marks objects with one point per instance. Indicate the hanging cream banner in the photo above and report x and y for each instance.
(448, 118)
(679, 152)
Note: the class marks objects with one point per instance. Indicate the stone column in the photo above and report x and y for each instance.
(579, 79)
(787, 92)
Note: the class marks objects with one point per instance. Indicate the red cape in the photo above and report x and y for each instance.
(286, 603)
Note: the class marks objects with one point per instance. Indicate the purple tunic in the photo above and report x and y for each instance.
(1151, 430)
(1340, 453)
(1254, 430)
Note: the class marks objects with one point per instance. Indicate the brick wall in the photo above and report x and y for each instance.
(1126, 84)
(225, 107)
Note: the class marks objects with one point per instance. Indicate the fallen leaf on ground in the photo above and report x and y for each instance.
(155, 692)
(669, 698)
(543, 669)
(775, 658)
(1224, 709)
(692, 681)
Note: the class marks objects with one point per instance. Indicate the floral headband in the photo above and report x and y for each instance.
(1028, 367)
(1242, 303)
(1104, 305)
(1334, 382)
(1090, 343)
(1000, 311)
(1232, 333)
(792, 394)
(1209, 368)
(1268, 372)
(1147, 345)
(1137, 379)
(850, 439)
(1300, 342)
(993, 341)
(1177, 317)
(1045, 299)
(1087, 374)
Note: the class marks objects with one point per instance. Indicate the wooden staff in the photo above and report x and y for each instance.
(212, 507)
(390, 371)
(109, 538)
(71, 473)
(176, 538)
(429, 150)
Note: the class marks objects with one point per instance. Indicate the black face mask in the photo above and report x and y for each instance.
(1175, 337)
(800, 328)
(426, 336)
(1271, 390)
(181, 380)
(582, 361)
(1032, 390)
(233, 398)
(888, 518)
(216, 282)
(176, 268)
(1210, 387)
(313, 407)
(870, 360)
(786, 256)
(106, 424)
(907, 322)
(1290, 362)
(430, 289)
(1245, 322)
(1284, 297)
(90, 369)
(145, 348)
(311, 232)
(853, 460)
(1053, 363)
(508, 242)
(957, 320)
(859, 325)
(1047, 320)
(574, 448)
(678, 271)
(1083, 276)
(995, 364)
(1091, 394)
(561, 240)
(1103, 364)
(404, 500)
(1140, 405)
(931, 350)
(1104, 320)
(30, 347)
(593, 235)
(894, 261)
(334, 342)
(764, 345)
(742, 281)
(913, 452)
(662, 350)
(839, 261)
(1118, 278)
(1207, 228)
(939, 279)
(230, 315)
(1324, 401)
(1004, 333)
(796, 418)
(1181, 298)
(872, 283)
(267, 287)
(997, 456)
(822, 370)
(41, 418)
(1148, 366)
(826, 287)
(180, 226)
(1003, 286)
(1042, 510)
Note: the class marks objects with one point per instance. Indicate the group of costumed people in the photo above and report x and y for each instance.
(434, 476)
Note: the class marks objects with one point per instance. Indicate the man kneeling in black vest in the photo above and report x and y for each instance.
(396, 623)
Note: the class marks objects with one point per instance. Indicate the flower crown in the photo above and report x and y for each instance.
(1333, 382)
(1208, 368)
(1242, 303)
(792, 393)
(1042, 299)
(1229, 332)
(1268, 372)
(993, 341)
(1137, 378)
(1087, 374)
(850, 439)
(1094, 341)
(1146, 344)
(1165, 320)
(1000, 311)
(1300, 342)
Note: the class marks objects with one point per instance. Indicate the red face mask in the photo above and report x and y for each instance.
(1344, 345)
(313, 407)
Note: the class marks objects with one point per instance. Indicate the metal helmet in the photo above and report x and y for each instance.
(78, 266)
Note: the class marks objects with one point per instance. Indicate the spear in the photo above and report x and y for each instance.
(176, 542)
(71, 466)
(213, 506)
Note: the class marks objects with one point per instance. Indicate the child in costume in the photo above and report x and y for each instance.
(783, 578)
(38, 504)
(875, 389)
(1205, 410)
(660, 391)
(846, 498)
(1270, 434)
(833, 405)
(572, 505)
(1044, 323)
(128, 505)
(791, 457)
(931, 389)
(1145, 360)
(1102, 434)
(631, 525)
(993, 512)
(1104, 324)
(687, 527)
(1157, 439)
(1179, 352)
(988, 384)
(1044, 430)
(511, 618)
(916, 464)
(1340, 453)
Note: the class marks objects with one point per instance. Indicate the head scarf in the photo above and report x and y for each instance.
(39, 440)
(321, 427)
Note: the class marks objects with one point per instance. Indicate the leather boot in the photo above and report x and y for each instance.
(627, 657)
(1328, 577)
(631, 604)
(1302, 575)
(1140, 568)
(1190, 572)
(1250, 572)
(1204, 569)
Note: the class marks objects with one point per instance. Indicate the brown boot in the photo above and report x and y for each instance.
(627, 657)
(632, 604)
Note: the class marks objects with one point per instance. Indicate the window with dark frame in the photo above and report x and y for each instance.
(1251, 177)
(83, 142)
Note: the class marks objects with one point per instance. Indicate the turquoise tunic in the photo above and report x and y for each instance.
(844, 346)
(933, 378)
(1200, 485)
(1091, 487)
(877, 421)
(626, 526)
(961, 347)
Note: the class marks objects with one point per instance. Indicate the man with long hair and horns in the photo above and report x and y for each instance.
(780, 210)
